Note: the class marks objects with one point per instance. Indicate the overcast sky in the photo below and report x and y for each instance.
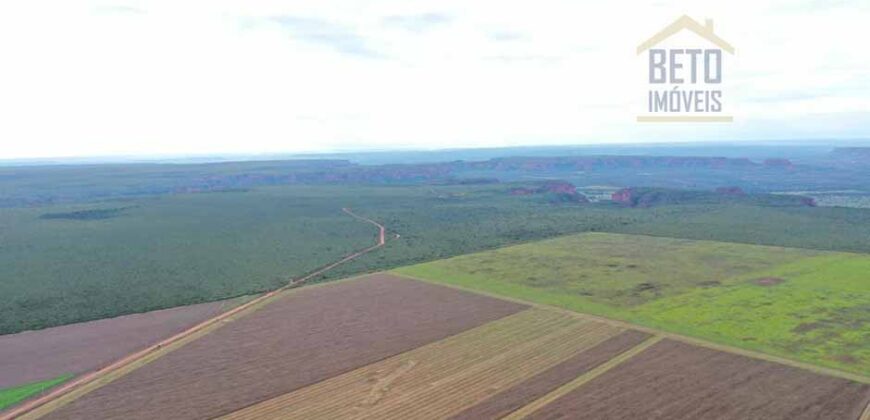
(93, 78)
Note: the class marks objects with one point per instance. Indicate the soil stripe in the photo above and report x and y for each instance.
(510, 400)
(579, 381)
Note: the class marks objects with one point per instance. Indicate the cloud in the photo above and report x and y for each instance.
(417, 22)
(96, 77)
(524, 58)
(118, 9)
(505, 36)
(322, 32)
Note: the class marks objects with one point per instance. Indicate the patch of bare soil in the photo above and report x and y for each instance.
(845, 358)
(509, 400)
(768, 281)
(77, 348)
(308, 336)
(807, 327)
(673, 380)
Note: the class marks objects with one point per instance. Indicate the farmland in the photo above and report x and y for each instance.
(78, 348)
(13, 394)
(280, 348)
(800, 304)
(673, 380)
(440, 379)
(401, 348)
(747, 273)
(543, 383)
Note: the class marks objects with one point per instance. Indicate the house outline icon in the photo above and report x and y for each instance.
(684, 22)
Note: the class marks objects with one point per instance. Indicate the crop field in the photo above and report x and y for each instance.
(385, 347)
(443, 379)
(545, 382)
(311, 334)
(77, 348)
(673, 380)
(805, 305)
(13, 394)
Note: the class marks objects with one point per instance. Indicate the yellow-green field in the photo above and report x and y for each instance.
(806, 305)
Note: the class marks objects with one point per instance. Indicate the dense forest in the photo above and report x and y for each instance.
(76, 262)
(89, 241)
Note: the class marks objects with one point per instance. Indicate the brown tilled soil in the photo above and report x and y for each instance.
(77, 348)
(306, 337)
(509, 400)
(673, 380)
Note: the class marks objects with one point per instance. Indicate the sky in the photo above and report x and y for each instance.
(177, 77)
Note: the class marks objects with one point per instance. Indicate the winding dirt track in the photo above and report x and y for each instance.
(126, 361)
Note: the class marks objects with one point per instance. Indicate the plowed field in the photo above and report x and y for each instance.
(44, 354)
(310, 335)
(446, 377)
(673, 380)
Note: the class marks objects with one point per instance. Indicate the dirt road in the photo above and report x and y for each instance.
(100, 373)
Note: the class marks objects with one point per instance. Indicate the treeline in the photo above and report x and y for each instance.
(652, 197)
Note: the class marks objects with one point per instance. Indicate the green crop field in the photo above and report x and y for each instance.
(9, 396)
(806, 305)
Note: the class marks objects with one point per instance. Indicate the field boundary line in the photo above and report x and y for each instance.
(103, 376)
(666, 334)
(582, 379)
(866, 414)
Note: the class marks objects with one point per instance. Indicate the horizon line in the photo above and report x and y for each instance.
(213, 157)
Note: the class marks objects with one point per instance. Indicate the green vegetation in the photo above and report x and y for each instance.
(832, 229)
(622, 270)
(165, 252)
(15, 394)
(651, 197)
(180, 249)
(802, 304)
(817, 309)
(189, 248)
